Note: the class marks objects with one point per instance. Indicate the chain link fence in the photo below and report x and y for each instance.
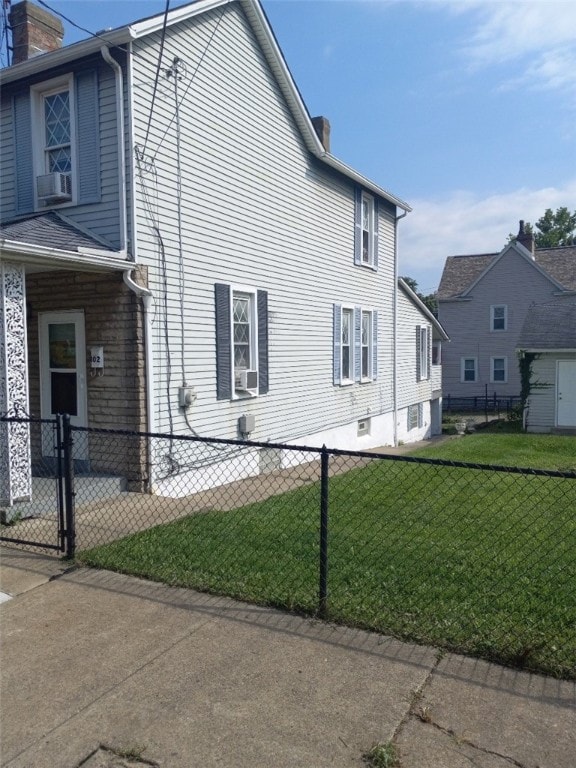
(470, 558)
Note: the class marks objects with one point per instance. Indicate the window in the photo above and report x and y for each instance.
(57, 142)
(468, 369)
(241, 341)
(355, 342)
(498, 317)
(415, 416)
(366, 230)
(423, 352)
(53, 114)
(364, 427)
(436, 353)
(347, 346)
(366, 345)
(498, 370)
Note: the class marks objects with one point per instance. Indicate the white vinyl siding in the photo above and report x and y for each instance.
(250, 215)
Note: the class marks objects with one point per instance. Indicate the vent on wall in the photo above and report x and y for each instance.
(54, 187)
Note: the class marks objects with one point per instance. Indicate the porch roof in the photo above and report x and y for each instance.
(50, 240)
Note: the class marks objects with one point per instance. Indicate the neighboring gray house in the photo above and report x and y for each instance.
(547, 342)
(182, 253)
(482, 304)
(418, 372)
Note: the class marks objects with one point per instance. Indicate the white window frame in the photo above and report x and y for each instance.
(493, 317)
(244, 291)
(347, 310)
(37, 96)
(369, 346)
(368, 259)
(493, 379)
(463, 370)
(424, 351)
(415, 416)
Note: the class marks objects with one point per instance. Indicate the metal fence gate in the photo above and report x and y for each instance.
(43, 518)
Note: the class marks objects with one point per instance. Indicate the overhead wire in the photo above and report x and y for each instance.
(192, 76)
(78, 26)
(157, 76)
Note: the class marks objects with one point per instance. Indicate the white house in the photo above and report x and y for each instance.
(181, 252)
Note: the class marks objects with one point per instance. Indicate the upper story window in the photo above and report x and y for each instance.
(498, 317)
(366, 230)
(436, 353)
(54, 141)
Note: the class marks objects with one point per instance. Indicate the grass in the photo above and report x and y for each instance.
(493, 445)
(382, 756)
(478, 562)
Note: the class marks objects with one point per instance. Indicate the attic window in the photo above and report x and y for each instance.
(498, 317)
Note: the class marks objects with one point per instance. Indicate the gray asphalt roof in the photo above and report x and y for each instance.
(51, 230)
(461, 271)
(550, 326)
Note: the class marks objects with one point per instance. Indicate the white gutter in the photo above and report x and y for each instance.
(395, 326)
(105, 51)
(146, 295)
(41, 255)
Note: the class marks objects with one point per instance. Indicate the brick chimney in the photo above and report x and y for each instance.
(322, 128)
(34, 31)
(526, 239)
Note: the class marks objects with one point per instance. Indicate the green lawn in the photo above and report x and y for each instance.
(467, 560)
(516, 450)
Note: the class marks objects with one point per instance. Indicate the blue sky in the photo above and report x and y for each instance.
(466, 109)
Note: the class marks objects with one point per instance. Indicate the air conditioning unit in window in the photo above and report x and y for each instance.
(54, 187)
(246, 381)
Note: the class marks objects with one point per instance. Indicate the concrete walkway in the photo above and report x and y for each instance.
(101, 670)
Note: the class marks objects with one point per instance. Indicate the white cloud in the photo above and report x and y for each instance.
(462, 223)
(537, 34)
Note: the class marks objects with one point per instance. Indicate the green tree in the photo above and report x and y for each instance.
(428, 299)
(553, 229)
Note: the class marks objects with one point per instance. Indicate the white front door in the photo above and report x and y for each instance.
(566, 393)
(63, 374)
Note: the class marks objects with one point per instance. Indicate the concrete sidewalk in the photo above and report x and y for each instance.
(102, 670)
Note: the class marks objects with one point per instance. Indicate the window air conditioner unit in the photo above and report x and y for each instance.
(54, 187)
(246, 381)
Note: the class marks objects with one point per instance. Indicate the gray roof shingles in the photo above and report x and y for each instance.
(550, 326)
(461, 271)
(51, 231)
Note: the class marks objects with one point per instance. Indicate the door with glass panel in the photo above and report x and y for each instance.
(63, 374)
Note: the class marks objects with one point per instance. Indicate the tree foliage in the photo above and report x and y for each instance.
(430, 300)
(552, 229)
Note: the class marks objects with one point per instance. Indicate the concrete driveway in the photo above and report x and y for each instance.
(102, 670)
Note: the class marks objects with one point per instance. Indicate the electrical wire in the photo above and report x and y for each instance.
(192, 76)
(73, 23)
(157, 75)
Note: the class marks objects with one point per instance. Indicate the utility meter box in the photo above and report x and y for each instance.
(246, 423)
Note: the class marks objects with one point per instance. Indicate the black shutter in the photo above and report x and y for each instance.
(223, 342)
(263, 384)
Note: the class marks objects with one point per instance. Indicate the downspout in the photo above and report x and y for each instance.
(122, 194)
(146, 295)
(395, 325)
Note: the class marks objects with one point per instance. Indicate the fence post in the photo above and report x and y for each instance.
(69, 494)
(323, 592)
(60, 483)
